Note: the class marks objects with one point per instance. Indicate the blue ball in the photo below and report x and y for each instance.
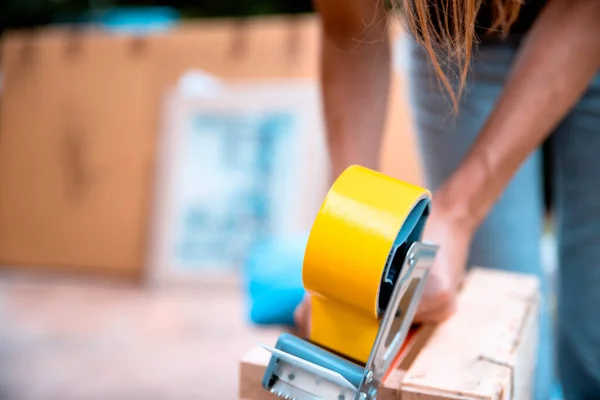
(273, 279)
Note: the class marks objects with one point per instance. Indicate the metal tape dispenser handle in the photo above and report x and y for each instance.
(365, 267)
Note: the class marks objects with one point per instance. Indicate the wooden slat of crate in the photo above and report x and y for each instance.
(485, 351)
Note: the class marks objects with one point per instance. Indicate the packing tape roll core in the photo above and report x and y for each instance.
(358, 239)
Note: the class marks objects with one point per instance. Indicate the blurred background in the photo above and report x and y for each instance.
(160, 167)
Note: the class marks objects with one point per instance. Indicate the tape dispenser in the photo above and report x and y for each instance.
(364, 267)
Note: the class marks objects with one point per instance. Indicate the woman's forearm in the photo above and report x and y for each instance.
(355, 90)
(355, 80)
(552, 71)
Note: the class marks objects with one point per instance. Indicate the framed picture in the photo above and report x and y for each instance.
(237, 164)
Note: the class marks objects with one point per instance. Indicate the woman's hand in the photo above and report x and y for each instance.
(302, 317)
(453, 236)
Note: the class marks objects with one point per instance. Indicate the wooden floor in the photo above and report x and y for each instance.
(81, 340)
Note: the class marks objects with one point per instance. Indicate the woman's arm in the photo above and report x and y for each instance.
(553, 68)
(355, 79)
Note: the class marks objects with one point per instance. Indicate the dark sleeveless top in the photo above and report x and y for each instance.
(530, 9)
(527, 15)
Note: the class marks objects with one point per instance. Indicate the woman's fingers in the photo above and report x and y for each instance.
(439, 292)
(436, 307)
(436, 314)
(437, 303)
(302, 316)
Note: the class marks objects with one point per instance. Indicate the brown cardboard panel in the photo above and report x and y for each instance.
(74, 151)
(254, 48)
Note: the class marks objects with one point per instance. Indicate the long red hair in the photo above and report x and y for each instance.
(446, 30)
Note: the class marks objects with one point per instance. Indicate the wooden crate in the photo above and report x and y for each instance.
(485, 351)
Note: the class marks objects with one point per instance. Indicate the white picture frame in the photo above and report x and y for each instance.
(211, 199)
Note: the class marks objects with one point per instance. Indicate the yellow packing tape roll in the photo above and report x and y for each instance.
(365, 219)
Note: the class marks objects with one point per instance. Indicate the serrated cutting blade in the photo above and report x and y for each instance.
(287, 391)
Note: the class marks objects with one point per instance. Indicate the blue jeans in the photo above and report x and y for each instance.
(510, 236)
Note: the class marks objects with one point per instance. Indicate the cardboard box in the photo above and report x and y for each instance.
(79, 120)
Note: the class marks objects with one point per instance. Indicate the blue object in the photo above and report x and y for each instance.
(139, 19)
(273, 279)
(312, 353)
(136, 20)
